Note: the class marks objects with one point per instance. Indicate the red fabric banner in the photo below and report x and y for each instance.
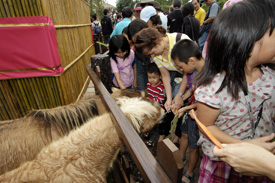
(28, 47)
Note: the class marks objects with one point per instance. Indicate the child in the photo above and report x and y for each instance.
(122, 58)
(155, 86)
(235, 91)
(186, 55)
(154, 92)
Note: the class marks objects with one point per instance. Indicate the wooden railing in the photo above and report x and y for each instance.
(149, 167)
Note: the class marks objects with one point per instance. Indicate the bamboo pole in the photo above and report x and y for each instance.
(31, 7)
(42, 92)
(6, 6)
(20, 98)
(4, 106)
(4, 102)
(2, 9)
(6, 93)
(56, 91)
(20, 8)
(16, 95)
(14, 5)
(28, 93)
(22, 90)
(60, 90)
(39, 7)
(11, 8)
(36, 93)
(35, 8)
(51, 91)
(26, 5)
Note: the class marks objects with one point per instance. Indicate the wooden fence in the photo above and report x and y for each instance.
(168, 168)
(72, 22)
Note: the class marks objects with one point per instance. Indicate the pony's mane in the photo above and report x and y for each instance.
(66, 118)
(136, 109)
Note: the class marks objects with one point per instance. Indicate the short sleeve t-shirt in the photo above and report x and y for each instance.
(169, 64)
(124, 68)
(234, 116)
(214, 10)
(200, 15)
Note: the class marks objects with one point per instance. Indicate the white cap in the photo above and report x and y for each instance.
(147, 12)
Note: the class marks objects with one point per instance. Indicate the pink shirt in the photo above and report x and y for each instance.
(124, 68)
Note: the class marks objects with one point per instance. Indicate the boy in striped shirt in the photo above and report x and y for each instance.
(155, 86)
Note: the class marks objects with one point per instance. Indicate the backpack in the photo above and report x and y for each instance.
(97, 28)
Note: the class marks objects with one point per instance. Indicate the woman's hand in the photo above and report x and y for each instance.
(264, 142)
(248, 159)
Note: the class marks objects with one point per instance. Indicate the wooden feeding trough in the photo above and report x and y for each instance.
(71, 19)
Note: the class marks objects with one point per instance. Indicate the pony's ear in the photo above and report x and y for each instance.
(115, 90)
(116, 93)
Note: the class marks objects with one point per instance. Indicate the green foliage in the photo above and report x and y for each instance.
(120, 4)
(96, 7)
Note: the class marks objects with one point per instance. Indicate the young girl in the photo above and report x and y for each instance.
(235, 91)
(157, 43)
(122, 58)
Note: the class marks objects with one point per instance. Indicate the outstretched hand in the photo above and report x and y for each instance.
(246, 158)
(265, 142)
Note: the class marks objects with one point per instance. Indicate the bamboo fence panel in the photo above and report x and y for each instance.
(74, 41)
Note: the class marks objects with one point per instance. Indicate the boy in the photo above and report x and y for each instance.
(155, 86)
(187, 56)
(154, 92)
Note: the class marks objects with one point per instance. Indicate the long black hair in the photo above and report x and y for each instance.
(232, 38)
(118, 42)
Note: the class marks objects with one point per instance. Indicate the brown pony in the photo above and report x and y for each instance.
(22, 139)
(86, 154)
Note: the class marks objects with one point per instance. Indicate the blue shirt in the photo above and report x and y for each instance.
(120, 26)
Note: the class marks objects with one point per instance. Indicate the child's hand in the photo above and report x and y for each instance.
(177, 102)
(174, 109)
(181, 111)
(167, 105)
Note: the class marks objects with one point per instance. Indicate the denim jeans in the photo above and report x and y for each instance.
(107, 39)
(141, 63)
(202, 40)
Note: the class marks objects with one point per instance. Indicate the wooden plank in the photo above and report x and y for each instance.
(169, 157)
(150, 169)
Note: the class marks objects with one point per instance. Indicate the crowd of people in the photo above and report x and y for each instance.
(219, 63)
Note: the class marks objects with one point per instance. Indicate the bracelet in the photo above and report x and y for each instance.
(180, 94)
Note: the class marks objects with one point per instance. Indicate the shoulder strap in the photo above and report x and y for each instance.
(191, 28)
(178, 37)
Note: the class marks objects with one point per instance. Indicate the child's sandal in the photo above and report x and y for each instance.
(189, 177)
(146, 135)
(149, 143)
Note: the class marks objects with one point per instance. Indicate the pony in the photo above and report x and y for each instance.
(22, 139)
(87, 153)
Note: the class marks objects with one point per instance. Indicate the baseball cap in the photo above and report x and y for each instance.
(137, 7)
(105, 11)
(147, 12)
